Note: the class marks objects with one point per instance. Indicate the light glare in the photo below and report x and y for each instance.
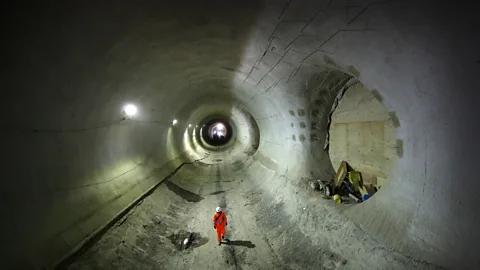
(174, 122)
(130, 110)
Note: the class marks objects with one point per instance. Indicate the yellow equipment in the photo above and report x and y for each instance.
(354, 178)
(337, 198)
(341, 172)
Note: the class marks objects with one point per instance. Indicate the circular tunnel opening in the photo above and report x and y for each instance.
(217, 132)
(362, 142)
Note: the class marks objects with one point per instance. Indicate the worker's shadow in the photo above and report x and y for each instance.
(247, 244)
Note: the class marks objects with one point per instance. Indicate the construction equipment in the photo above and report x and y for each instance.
(354, 178)
(337, 198)
(364, 192)
(348, 183)
(341, 173)
(353, 197)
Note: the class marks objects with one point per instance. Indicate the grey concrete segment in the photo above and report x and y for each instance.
(72, 162)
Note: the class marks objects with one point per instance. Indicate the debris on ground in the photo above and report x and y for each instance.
(183, 240)
(346, 187)
(321, 186)
(317, 185)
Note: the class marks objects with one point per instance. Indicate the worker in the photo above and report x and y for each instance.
(219, 223)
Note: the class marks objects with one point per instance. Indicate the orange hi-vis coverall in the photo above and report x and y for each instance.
(219, 223)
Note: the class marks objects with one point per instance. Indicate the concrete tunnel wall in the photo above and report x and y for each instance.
(72, 163)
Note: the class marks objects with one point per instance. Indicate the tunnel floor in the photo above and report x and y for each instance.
(261, 235)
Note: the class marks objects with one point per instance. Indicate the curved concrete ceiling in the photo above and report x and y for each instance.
(72, 162)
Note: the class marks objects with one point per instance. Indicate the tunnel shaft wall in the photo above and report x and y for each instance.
(362, 131)
(74, 161)
(421, 60)
(63, 88)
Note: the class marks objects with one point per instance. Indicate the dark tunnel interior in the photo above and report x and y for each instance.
(114, 159)
(217, 131)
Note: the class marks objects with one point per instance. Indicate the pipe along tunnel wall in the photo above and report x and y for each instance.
(72, 162)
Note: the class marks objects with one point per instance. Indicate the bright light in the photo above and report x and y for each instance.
(218, 131)
(196, 125)
(174, 122)
(189, 125)
(130, 110)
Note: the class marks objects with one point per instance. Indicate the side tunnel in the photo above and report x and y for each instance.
(273, 69)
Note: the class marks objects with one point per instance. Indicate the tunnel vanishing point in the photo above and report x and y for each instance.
(299, 85)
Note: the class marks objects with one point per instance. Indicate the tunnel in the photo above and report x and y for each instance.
(389, 86)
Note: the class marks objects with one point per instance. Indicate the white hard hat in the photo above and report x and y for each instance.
(218, 209)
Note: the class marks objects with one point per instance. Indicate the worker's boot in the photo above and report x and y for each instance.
(219, 243)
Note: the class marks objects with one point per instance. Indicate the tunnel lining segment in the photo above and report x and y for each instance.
(258, 52)
(92, 238)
